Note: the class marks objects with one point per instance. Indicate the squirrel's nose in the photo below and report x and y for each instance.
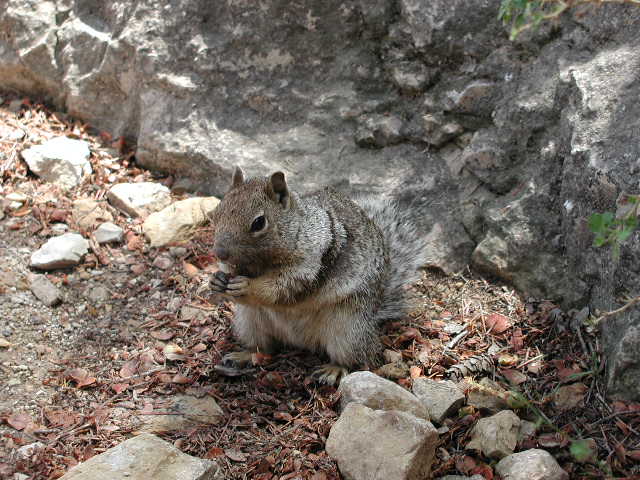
(221, 253)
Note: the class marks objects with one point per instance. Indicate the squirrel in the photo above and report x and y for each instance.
(317, 271)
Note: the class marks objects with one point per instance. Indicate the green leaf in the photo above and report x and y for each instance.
(607, 218)
(596, 223)
(599, 241)
(581, 450)
(624, 234)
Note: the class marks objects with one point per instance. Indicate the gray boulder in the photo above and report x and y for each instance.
(534, 464)
(442, 399)
(61, 160)
(44, 290)
(378, 393)
(139, 199)
(60, 252)
(381, 445)
(143, 457)
(496, 436)
(557, 106)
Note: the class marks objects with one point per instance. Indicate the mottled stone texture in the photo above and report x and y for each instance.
(501, 148)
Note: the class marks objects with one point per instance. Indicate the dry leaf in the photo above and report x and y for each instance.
(179, 378)
(163, 334)
(284, 416)
(172, 351)
(497, 323)
(80, 376)
(190, 270)
(515, 377)
(200, 347)
(129, 369)
(19, 420)
(4, 343)
(119, 387)
(569, 396)
(214, 452)
(415, 372)
(235, 455)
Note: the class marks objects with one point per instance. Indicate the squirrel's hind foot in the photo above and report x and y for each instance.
(329, 374)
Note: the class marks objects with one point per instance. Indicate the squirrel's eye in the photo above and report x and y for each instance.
(258, 223)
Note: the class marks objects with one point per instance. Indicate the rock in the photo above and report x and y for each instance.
(87, 213)
(139, 199)
(377, 131)
(15, 105)
(99, 294)
(488, 396)
(569, 397)
(442, 399)
(143, 457)
(183, 412)
(486, 158)
(411, 77)
(461, 477)
(163, 262)
(379, 394)
(17, 197)
(381, 445)
(20, 476)
(59, 228)
(561, 111)
(62, 161)
(60, 252)
(391, 356)
(44, 290)
(178, 221)
(26, 451)
(496, 436)
(109, 233)
(531, 464)
(477, 98)
(394, 371)
(437, 130)
(527, 430)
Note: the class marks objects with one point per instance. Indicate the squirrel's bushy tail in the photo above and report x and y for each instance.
(407, 253)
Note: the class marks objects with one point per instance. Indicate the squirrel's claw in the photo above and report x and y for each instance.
(219, 282)
(237, 286)
(237, 359)
(329, 374)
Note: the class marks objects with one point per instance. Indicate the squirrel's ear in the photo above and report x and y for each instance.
(279, 187)
(238, 177)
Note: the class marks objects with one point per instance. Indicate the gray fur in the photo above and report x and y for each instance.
(323, 276)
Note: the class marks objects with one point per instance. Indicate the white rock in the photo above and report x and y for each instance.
(178, 221)
(59, 228)
(28, 450)
(17, 197)
(44, 290)
(183, 412)
(442, 399)
(142, 458)
(61, 160)
(496, 436)
(378, 393)
(381, 445)
(534, 464)
(60, 252)
(109, 232)
(139, 199)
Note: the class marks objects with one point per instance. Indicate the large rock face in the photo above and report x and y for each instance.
(503, 149)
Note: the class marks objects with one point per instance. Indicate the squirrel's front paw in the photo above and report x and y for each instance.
(237, 286)
(219, 282)
(234, 286)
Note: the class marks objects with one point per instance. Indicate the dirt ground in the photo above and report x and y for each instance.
(134, 330)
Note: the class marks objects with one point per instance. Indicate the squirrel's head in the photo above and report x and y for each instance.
(251, 225)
